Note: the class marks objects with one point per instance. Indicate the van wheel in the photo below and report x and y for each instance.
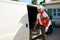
(49, 30)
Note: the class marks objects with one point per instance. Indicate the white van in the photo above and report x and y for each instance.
(16, 19)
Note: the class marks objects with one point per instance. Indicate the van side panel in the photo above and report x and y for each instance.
(11, 14)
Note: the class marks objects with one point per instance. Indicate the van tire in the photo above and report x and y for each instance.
(49, 30)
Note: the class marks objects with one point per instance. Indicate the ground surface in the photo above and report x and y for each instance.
(55, 35)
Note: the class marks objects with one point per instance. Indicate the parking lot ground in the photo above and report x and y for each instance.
(55, 35)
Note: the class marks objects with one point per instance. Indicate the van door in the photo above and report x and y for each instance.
(23, 32)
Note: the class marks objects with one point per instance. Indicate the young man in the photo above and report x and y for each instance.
(42, 19)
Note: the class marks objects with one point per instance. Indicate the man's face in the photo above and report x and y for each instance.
(38, 10)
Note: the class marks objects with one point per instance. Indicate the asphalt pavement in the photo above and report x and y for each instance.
(55, 34)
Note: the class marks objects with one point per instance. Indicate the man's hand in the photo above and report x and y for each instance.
(46, 18)
(34, 28)
(35, 24)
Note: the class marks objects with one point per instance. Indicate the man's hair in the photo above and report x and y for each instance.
(40, 3)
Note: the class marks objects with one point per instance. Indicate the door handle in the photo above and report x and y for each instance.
(26, 25)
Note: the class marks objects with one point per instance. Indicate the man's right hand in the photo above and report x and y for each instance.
(35, 24)
(34, 28)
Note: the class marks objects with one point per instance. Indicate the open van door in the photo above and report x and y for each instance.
(23, 32)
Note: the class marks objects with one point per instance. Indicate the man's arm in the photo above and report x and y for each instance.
(35, 24)
(46, 18)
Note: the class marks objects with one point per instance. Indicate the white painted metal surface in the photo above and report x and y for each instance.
(13, 19)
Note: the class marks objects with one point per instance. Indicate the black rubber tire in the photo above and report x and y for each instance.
(49, 30)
